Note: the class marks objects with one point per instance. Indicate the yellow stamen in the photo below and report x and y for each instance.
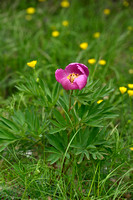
(72, 76)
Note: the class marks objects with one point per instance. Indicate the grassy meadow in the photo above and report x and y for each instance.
(58, 144)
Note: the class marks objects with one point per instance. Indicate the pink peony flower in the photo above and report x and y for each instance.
(73, 77)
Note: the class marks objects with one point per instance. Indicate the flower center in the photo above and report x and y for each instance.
(72, 76)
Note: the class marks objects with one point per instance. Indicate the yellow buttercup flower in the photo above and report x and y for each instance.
(32, 64)
(125, 3)
(122, 89)
(28, 17)
(30, 10)
(99, 101)
(131, 148)
(96, 35)
(65, 4)
(130, 28)
(65, 23)
(83, 45)
(55, 33)
(102, 62)
(130, 86)
(130, 71)
(92, 61)
(106, 11)
(130, 92)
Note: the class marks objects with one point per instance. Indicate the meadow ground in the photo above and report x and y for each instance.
(58, 144)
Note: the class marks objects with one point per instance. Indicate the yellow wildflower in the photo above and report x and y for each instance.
(102, 62)
(32, 64)
(92, 61)
(130, 92)
(55, 33)
(65, 4)
(122, 89)
(131, 148)
(130, 28)
(96, 35)
(83, 45)
(30, 10)
(130, 71)
(130, 86)
(106, 11)
(99, 101)
(65, 23)
(125, 3)
(41, 0)
(28, 17)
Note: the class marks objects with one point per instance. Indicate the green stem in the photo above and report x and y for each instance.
(98, 184)
(93, 180)
(130, 104)
(94, 71)
(35, 74)
(63, 167)
(123, 109)
(70, 100)
(63, 160)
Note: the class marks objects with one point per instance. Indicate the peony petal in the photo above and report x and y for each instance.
(81, 81)
(83, 67)
(77, 68)
(67, 85)
(72, 68)
(59, 74)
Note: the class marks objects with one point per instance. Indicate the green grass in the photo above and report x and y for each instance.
(35, 109)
